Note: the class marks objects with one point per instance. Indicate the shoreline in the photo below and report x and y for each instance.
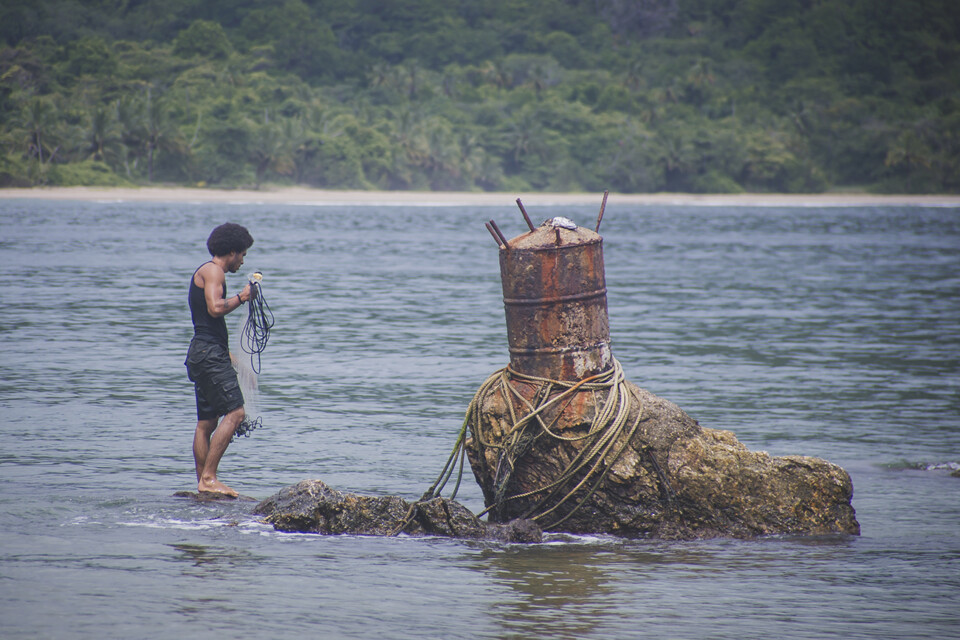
(329, 197)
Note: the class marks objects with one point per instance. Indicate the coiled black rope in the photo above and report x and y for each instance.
(256, 331)
(253, 340)
(246, 427)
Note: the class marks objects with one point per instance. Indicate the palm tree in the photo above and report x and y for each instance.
(103, 134)
(443, 159)
(496, 72)
(159, 130)
(478, 166)
(132, 134)
(271, 148)
(698, 79)
(700, 74)
(633, 78)
(38, 119)
(412, 71)
(488, 172)
(908, 153)
(407, 133)
(379, 75)
(539, 79)
(677, 157)
(525, 135)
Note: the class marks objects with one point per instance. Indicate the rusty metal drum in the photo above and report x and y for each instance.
(555, 298)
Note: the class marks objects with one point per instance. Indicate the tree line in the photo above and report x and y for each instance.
(702, 96)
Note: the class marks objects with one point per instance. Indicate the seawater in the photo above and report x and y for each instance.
(832, 332)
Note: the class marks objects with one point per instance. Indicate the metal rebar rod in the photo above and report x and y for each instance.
(503, 239)
(603, 206)
(525, 216)
(494, 234)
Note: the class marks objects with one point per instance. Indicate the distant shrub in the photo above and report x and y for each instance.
(89, 173)
(202, 38)
(713, 181)
(14, 172)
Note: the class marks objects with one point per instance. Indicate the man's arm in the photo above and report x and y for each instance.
(213, 281)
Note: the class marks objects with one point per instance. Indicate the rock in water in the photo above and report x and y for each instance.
(672, 479)
(560, 436)
(310, 506)
(210, 496)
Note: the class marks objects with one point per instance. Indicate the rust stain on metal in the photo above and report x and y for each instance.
(555, 298)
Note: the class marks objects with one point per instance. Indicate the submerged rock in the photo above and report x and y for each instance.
(672, 479)
(210, 496)
(311, 506)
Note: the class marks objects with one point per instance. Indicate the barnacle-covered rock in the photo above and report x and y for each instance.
(310, 506)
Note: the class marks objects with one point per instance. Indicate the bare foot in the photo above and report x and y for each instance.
(215, 486)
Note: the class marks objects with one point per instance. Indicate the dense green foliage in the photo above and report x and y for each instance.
(626, 95)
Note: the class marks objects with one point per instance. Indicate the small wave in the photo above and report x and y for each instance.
(925, 466)
(581, 539)
(952, 466)
(174, 524)
(186, 525)
(423, 204)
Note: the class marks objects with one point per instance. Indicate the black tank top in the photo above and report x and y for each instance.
(204, 325)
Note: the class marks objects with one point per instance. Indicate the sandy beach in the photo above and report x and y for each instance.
(323, 197)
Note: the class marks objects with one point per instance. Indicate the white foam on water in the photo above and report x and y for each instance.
(558, 539)
(953, 466)
(173, 523)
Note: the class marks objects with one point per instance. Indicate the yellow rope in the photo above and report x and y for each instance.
(607, 426)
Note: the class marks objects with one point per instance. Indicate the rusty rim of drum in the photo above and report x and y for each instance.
(512, 248)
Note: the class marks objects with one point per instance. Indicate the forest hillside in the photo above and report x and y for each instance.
(704, 96)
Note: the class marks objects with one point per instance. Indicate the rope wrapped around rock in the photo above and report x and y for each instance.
(608, 427)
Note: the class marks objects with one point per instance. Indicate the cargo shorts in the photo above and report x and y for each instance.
(214, 379)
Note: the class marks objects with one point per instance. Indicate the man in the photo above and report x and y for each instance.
(208, 358)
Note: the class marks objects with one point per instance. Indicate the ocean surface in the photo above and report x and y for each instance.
(832, 332)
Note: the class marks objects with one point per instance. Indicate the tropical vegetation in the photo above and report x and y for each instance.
(516, 95)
